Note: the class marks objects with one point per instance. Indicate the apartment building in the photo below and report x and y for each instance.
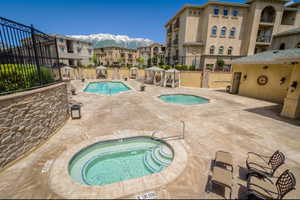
(153, 54)
(74, 52)
(116, 56)
(286, 40)
(201, 35)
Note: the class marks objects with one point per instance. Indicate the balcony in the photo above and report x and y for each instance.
(264, 40)
(175, 42)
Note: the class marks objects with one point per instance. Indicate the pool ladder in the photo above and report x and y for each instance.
(176, 137)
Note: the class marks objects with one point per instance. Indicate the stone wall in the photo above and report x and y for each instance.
(28, 119)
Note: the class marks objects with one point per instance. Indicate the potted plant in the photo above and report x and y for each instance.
(142, 87)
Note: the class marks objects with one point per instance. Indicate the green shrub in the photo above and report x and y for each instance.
(17, 77)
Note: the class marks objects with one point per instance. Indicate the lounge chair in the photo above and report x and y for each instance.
(264, 166)
(222, 176)
(266, 189)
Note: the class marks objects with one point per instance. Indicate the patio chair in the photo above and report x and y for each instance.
(264, 166)
(223, 178)
(224, 158)
(266, 189)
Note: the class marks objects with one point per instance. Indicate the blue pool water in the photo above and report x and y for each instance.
(106, 87)
(183, 99)
(118, 160)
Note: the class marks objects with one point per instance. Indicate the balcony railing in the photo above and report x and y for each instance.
(264, 39)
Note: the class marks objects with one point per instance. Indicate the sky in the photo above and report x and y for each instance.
(135, 18)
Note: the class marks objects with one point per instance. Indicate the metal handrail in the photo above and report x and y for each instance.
(176, 136)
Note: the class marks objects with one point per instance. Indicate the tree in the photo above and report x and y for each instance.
(141, 61)
(95, 59)
(220, 64)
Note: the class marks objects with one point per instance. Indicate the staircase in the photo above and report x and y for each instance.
(158, 158)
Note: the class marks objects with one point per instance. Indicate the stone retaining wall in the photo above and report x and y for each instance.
(27, 119)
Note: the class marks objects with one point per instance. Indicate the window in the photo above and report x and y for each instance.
(212, 50)
(221, 50)
(90, 51)
(214, 31)
(232, 32)
(78, 50)
(298, 45)
(225, 12)
(229, 52)
(61, 40)
(62, 49)
(282, 46)
(235, 12)
(223, 31)
(216, 11)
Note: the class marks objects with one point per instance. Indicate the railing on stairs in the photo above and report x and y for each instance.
(176, 137)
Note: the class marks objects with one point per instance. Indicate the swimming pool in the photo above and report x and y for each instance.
(118, 160)
(183, 99)
(106, 87)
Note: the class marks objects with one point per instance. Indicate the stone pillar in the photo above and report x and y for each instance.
(291, 107)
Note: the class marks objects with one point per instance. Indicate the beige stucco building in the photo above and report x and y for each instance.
(153, 54)
(273, 76)
(287, 39)
(116, 56)
(200, 35)
(74, 52)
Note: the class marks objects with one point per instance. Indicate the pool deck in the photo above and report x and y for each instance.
(229, 122)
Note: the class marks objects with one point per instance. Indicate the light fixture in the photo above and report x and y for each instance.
(73, 91)
(282, 80)
(245, 77)
(76, 111)
(265, 67)
(294, 85)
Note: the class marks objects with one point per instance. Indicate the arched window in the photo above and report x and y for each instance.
(229, 51)
(268, 14)
(225, 12)
(223, 31)
(232, 32)
(212, 50)
(216, 11)
(298, 45)
(221, 50)
(235, 12)
(214, 30)
(282, 46)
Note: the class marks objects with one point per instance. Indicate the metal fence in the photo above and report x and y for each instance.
(28, 57)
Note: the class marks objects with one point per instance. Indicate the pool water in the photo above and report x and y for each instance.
(106, 87)
(118, 160)
(183, 99)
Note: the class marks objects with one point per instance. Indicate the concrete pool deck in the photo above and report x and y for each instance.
(229, 122)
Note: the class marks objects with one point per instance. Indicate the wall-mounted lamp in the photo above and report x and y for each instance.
(282, 80)
(294, 85)
(245, 77)
(265, 67)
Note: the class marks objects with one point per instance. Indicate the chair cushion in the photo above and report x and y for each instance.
(224, 157)
(257, 164)
(222, 176)
(262, 187)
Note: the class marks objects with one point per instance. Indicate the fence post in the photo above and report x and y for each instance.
(58, 65)
(36, 55)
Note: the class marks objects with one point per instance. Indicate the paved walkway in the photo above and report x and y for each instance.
(230, 123)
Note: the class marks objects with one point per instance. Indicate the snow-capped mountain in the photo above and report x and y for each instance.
(104, 40)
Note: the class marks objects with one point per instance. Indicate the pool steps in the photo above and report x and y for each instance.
(155, 161)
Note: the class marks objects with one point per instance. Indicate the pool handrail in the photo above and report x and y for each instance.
(171, 137)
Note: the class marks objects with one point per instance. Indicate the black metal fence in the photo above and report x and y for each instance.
(28, 57)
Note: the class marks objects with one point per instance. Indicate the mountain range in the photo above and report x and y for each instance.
(105, 40)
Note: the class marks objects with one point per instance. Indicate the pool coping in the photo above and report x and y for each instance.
(107, 95)
(63, 185)
(183, 105)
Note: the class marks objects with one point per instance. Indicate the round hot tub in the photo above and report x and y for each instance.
(186, 99)
(119, 160)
